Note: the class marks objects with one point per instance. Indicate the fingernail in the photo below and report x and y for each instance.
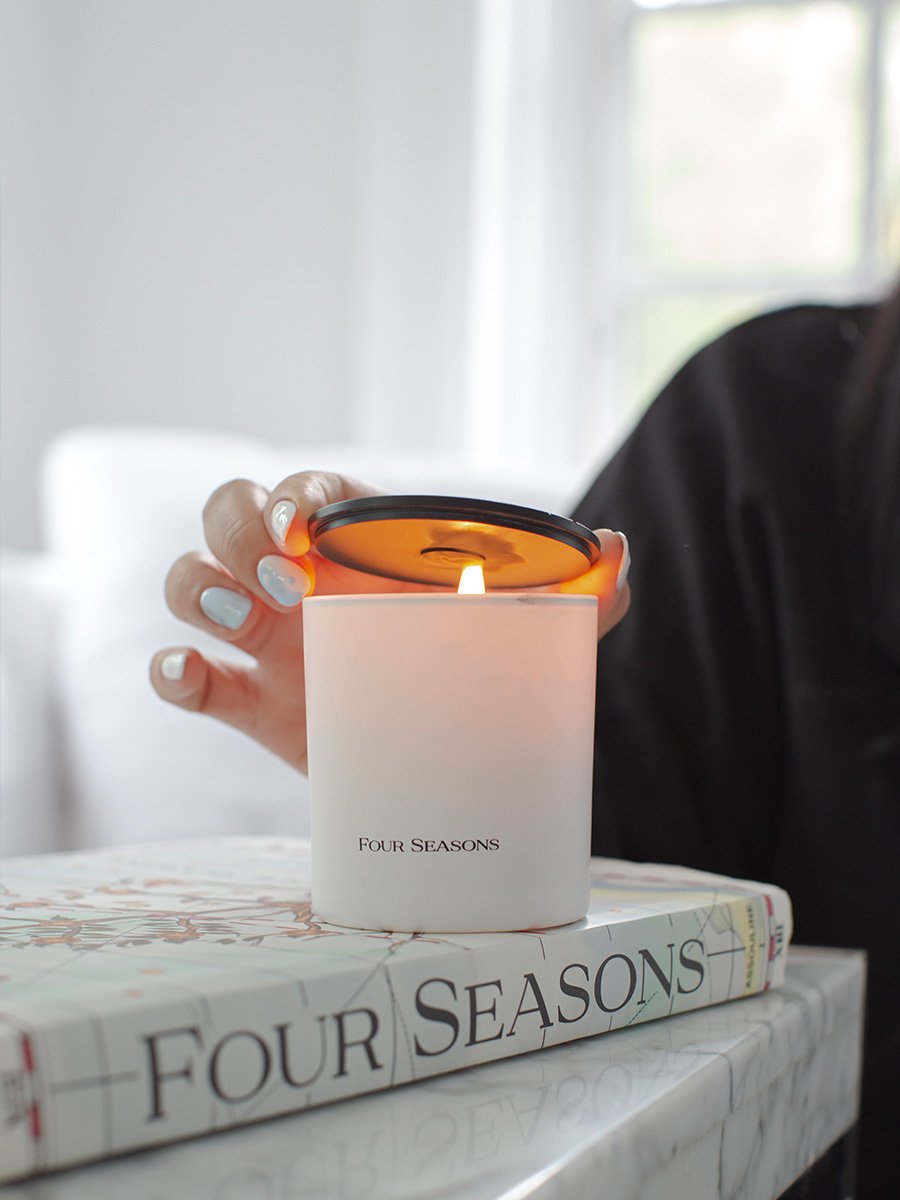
(283, 580)
(625, 564)
(225, 607)
(172, 666)
(280, 519)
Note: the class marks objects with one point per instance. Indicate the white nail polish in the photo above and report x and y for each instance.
(280, 519)
(625, 564)
(225, 607)
(172, 666)
(283, 580)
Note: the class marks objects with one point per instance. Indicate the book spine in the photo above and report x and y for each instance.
(192, 1059)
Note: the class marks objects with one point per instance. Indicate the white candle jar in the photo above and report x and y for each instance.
(450, 758)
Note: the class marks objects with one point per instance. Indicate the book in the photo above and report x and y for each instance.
(155, 992)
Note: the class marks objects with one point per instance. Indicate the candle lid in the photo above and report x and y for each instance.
(429, 539)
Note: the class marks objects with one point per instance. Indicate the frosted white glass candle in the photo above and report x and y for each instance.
(450, 759)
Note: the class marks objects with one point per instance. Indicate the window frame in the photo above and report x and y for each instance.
(619, 283)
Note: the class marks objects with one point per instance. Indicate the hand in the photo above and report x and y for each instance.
(248, 590)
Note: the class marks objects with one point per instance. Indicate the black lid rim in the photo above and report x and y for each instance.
(510, 516)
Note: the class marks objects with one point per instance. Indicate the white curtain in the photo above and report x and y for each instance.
(481, 227)
(364, 219)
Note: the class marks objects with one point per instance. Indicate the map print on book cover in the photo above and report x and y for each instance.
(154, 992)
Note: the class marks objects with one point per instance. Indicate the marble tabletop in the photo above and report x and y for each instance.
(735, 1101)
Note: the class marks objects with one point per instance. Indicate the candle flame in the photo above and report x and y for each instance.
(471, 581)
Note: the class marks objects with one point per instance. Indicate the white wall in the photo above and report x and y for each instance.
(242, 214)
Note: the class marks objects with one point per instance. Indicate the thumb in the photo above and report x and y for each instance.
(607, 579)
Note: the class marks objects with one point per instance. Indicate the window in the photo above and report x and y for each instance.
(759, 164)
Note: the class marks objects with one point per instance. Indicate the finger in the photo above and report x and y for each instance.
(201, 593)
(609, 574)
(608, 618)
(233, 694)
(183, 677)
(237, 536)
(293, 501)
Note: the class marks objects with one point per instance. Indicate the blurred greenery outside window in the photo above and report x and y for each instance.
(762, 167)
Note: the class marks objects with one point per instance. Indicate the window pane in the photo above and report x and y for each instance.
(664, 331)
(890, 195)
(746, 137)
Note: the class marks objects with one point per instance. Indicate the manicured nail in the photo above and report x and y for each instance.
(283, 580)
(172, 666)
(225, 607)
(624, 565)
(280, 519)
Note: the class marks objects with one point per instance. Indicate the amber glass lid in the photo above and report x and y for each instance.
(429, 539)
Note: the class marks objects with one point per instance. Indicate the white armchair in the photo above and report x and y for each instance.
(89, 754)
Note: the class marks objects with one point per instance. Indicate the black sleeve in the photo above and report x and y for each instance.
(720, 489)
(748, 706)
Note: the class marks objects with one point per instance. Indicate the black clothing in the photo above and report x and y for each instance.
(747, 721)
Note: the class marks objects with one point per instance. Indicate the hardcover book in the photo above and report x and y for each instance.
(155, 992)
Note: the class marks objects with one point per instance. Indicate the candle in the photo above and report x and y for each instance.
(450, 735)
(450, 759)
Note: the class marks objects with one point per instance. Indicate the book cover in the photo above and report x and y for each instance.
(155, 992)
